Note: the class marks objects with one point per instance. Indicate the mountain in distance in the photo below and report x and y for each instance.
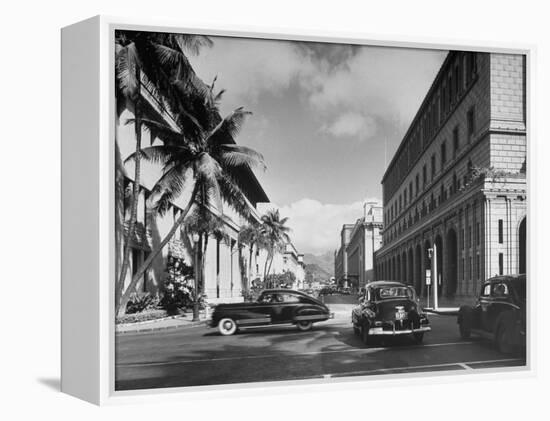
(319, 267)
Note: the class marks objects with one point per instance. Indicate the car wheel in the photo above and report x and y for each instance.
(227, 326)
(304, 325)
(356, 330)
(365, 334)
(418, 337)
(505, 338)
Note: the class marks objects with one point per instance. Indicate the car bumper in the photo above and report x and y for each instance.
(379, 331)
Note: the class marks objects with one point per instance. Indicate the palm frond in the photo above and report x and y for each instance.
(165, 132)
(228, 128)
(159, 154)
(126, 62)
(192, 43)
(236, 155)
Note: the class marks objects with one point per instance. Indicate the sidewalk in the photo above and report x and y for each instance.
(171, 322)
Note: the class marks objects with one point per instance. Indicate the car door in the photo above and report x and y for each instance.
(481, 312)
(500, 301)
(290, 303)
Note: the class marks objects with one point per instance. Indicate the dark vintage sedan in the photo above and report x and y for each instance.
(499, 313)
(389, 308)
(273, 307)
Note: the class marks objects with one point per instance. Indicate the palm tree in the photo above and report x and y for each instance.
(251, 235)
(208, 160)
(276, 236)
(205, 223)
(155, 62)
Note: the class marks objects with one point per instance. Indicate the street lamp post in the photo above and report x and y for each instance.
(196, 276)
(435, 276)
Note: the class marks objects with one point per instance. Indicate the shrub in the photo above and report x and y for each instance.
(139, 303)
(150, 314)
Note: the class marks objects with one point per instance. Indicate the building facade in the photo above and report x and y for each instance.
(341, 256)
(226, 262)
(456, 186)
(365, 239)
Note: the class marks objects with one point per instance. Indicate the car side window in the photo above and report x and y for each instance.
(486, 290)
(289, 298)
(368, 296)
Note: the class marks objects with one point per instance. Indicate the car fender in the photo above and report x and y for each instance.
(309, 312)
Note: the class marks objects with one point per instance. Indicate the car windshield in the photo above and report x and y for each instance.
(390, 292)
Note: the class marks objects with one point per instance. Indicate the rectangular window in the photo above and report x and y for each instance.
(463, 272)
(462, 238)
(457, 81)
(443, 154)
(478, 273)
(471, 123)
(417, 181)
(469, 237)
(433, 166)
(424, 176)
(500, 232)
(470, 277)
(410, 191)
(500, 263)
(455, 142)
(478, 233)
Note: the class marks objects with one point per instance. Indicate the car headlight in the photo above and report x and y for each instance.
(369, 313)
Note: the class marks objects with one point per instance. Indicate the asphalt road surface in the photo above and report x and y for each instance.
(198, 355)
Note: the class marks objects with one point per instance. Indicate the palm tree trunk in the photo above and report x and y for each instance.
(250, 268)
(121, 310)
(203, 284)
(270, 262)
(265, 269)
(135, 195)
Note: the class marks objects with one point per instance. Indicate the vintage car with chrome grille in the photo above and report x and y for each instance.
(273, 307)
(389, 308)
(499, 313)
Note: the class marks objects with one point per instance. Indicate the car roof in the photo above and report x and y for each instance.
(510, 278)
(377, 284)
(283, 291)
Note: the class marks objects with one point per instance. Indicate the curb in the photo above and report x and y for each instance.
(147, 326)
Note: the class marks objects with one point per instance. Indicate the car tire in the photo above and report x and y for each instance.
(356, 330)
(227, 326)
(304, 325)
(365, 334)
(465, 322)
(418, 337)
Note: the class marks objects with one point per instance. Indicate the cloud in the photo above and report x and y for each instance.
(316, 226)
(335, 80)
(352, 124)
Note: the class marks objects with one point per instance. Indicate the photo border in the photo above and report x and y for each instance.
(107, 394)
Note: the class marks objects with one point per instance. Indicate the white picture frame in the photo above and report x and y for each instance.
(88, 333)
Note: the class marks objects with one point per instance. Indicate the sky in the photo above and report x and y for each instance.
(326, 117)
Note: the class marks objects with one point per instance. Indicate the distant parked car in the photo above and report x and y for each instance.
(499, 313)
(389, 308)
(273, 307)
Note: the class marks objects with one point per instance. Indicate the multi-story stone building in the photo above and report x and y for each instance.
(365, 239)
(341, 256)
(458, 178)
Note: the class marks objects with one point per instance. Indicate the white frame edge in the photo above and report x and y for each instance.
(88, 334)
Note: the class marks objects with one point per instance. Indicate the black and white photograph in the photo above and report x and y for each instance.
(291, 210)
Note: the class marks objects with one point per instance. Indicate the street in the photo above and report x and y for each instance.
(201, 356)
